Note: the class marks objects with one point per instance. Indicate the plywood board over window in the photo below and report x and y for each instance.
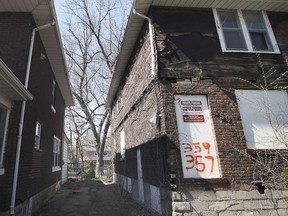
(197, 142)
(264, 116)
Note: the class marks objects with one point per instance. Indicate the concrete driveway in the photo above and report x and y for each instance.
(91, 198)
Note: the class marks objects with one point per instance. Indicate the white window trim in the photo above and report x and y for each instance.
(56, 168)
(2, 170)
(122, 144)
(38, 146)
(246, 34)
(53, 96)
(53, 109)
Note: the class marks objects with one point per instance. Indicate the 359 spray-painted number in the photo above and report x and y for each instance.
(198, 156)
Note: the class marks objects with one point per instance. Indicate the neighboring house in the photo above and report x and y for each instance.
(34, 91)
(65, 147)
(89, 154)
(185, 107)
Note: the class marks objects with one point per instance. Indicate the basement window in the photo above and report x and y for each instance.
(264, 116)
(245, 31)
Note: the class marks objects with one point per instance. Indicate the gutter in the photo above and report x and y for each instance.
(152, 45)
(22, 115)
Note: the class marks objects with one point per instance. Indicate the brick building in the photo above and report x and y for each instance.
(185, 97)
(34, 93)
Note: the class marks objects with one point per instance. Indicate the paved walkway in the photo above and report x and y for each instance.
(91, 198)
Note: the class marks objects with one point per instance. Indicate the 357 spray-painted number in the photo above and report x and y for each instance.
(197, 156)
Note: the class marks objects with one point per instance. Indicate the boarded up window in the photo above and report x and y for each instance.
(197, 143)
(264, 116)
(122, 144)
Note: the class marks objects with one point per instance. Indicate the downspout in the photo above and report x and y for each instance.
(22, 115)
(152, 45)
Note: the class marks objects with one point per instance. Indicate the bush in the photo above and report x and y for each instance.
(89, 170)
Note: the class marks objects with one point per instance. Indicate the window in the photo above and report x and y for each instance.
(4, 114)
(122, 144)
(245, 31)
(56, 153)
(38, 130)
(264, 117)
(53, 96)
(119, 101)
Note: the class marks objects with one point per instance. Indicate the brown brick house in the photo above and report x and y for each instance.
(34, 91)
(185, 101)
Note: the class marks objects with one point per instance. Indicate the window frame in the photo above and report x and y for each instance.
(37, 143)
(53, 104)
(3, 142)
(56, 154)
(119, 100)
(245, 31)
(122, 144)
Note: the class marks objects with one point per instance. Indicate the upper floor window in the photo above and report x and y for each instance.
(119, 101)
(38, 130)
(53, 96)
(245, 31)
(122, 144)
(4, 114)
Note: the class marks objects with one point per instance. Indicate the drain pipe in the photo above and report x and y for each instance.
(22, 115)
(151, 34)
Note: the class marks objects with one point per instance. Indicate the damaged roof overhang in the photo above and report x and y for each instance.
(43, 12)
(135, 23)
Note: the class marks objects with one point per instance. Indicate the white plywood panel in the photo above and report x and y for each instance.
(264, 116)
(196, 137)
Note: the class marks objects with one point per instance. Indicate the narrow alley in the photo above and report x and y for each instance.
(91, 198)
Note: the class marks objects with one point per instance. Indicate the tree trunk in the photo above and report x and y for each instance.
(99, 164)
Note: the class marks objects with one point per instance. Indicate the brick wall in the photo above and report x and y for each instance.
(218, 69)
(35, 171)
(137, 79)
(227, 128)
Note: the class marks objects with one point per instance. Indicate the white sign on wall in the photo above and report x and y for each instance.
(196, 137)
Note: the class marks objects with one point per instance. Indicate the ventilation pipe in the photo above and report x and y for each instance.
(152, 46)
(22, 115)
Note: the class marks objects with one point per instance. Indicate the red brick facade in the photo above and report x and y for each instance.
(198, 58)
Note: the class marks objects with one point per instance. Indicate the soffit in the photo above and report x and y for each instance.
(43, 12)
(135, 23)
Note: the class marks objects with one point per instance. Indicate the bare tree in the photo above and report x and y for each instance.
(92, 43)
(270, 165)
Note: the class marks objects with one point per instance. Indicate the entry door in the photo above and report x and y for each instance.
(140, 177)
